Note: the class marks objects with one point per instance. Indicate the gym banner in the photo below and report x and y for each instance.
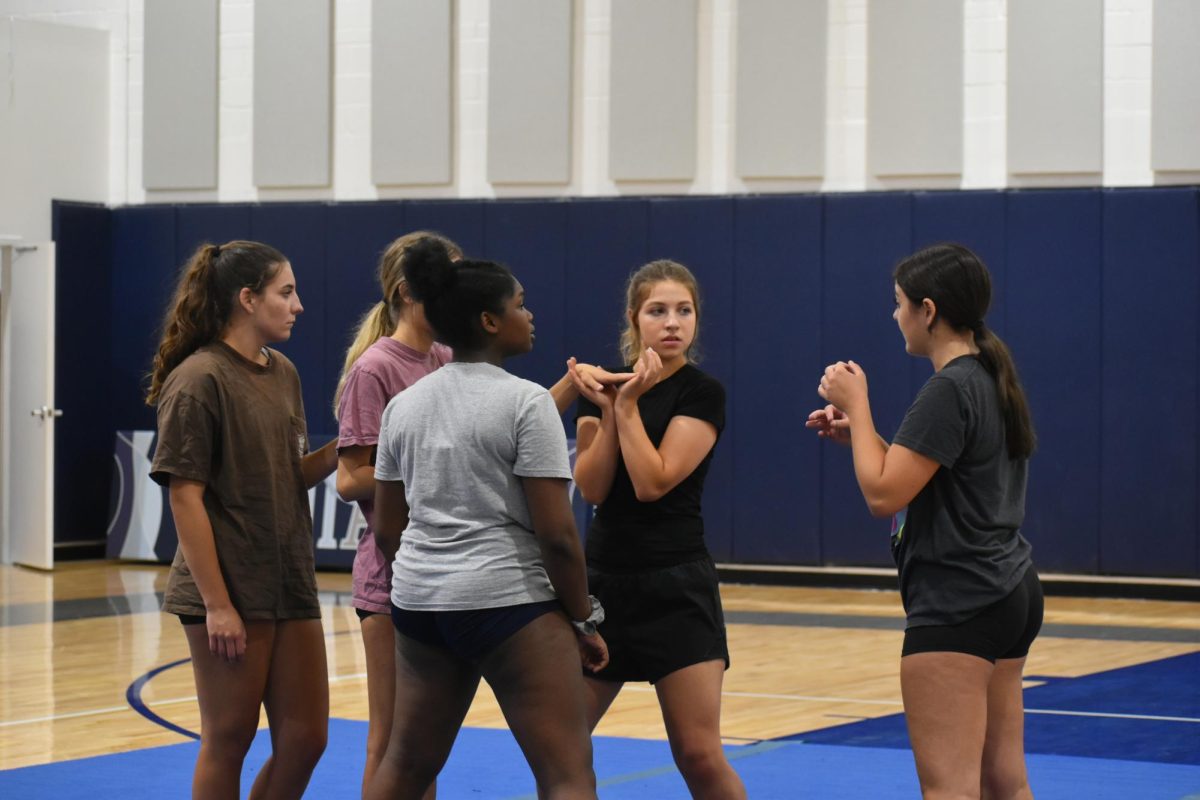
(140, 526)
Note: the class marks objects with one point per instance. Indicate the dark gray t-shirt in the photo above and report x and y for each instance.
(959, 546)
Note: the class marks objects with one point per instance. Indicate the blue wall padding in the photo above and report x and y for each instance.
(300, 231)
(460, 220)
(359, 233)
(699, 234)
(146, 266)
(777, 361)
(529, 237)
(864, 236)
(83, 325)
(1053, 310)
(215, 223)
(1097, 293)
(606, 240)
(1151, 275)
(974, 219)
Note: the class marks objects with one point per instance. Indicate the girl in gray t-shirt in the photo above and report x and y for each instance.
(488, 578)
(954, 477)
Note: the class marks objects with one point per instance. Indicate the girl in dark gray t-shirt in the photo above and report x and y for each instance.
(954, 478)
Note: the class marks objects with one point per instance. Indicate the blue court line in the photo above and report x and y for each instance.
(133, 695)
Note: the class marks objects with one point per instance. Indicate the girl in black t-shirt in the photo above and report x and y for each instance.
(643, 450)
(954, 476)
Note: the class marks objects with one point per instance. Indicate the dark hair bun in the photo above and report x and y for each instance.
(428, 269)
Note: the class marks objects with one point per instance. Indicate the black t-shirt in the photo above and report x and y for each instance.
(959, 548)
(629, 535)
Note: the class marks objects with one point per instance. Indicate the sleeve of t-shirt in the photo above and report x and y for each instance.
(361, 409)
(705, 400)
(541, 443)
(586, 408)
(387, 454)
(186, 439)
(936, 423)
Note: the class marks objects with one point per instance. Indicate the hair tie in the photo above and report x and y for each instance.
(978, 326)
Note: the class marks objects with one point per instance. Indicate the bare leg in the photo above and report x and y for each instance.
(435, 692)
(538, 682)
(297, 702)
(691, 704)
(946, 707)
(230, 695)
(1004, 776)
(599, 695)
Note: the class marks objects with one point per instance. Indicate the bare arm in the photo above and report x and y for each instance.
(356, 473)
(391, 517)
(319, 464)
(226, 631)
(596, 446)
(562, 555)
(888, 476)
(656, 471)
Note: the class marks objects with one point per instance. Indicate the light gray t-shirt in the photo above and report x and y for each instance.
(461, 439)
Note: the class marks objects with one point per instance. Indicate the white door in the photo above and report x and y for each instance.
(27, 341)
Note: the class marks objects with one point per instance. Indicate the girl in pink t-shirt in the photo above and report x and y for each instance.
(393, 348)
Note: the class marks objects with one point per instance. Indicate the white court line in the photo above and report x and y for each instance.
(96, 712)
(854, 701)
(758, 695)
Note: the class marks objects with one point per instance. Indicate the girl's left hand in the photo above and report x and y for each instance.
(844, 384)
(645, 375)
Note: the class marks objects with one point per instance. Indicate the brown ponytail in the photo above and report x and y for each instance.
(204, 300)
(959, 285)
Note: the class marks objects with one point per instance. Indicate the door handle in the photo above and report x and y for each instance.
(46, 411)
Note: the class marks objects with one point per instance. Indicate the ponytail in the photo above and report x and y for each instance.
(204, 300)
(374, 325)
(1018, 422)
(383, 317)
(959, 284)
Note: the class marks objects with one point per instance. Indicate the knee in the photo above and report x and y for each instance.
(700, 762)
(1004, 784)
(302, 744)
(227, 743)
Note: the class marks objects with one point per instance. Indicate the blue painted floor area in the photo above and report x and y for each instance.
(487, 764)
(1166, 688)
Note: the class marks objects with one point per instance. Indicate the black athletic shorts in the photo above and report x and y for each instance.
(471, 634)
(1004, 629)
(660, 621)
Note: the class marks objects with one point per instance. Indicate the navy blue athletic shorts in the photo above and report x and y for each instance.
(470, 634)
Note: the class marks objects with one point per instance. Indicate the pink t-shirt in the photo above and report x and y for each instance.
(384, 370)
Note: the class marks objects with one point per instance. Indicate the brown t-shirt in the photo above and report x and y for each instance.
(238, 426)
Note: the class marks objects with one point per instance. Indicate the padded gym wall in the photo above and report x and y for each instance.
(1096, 292)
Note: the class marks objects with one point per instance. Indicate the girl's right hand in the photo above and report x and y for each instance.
(593, 652)
(226, 634)
(602, 397)
(830, 423)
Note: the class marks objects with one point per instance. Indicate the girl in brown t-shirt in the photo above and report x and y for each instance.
(233, 450)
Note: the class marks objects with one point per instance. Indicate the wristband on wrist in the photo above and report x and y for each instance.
(587, 627)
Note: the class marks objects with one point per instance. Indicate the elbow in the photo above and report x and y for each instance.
(345, 487)
(882, 507)
(648, 494)
(590, 490)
